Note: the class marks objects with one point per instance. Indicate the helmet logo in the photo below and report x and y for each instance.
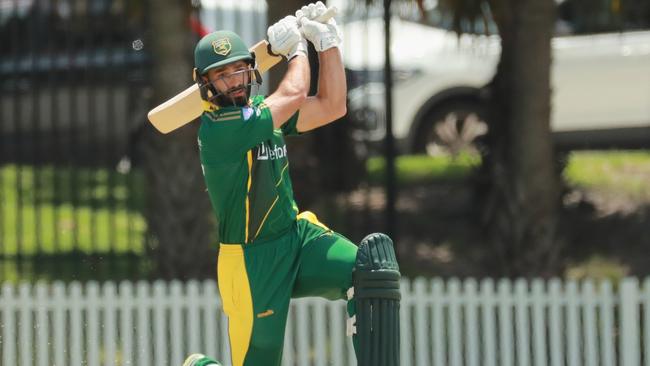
(222, 46)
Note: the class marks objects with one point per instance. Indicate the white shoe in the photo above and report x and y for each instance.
(194, 359)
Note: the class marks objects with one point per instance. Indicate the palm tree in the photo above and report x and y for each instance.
(178, 212)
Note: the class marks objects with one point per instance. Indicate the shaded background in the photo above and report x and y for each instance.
(88, 190)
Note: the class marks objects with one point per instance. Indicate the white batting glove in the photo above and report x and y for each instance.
(311, 11)
(286, 39)
(322, 35)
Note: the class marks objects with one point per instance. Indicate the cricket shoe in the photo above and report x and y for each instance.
(198, 359)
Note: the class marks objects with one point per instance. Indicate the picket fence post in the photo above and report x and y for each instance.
(444, 322)
(629, 322)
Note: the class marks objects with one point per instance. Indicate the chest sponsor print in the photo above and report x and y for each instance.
(266, 152)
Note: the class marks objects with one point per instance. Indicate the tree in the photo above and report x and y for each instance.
(520, 194)
(178, 212)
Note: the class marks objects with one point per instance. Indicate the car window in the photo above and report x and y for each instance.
(574, 17)
(444, 19)
(580, 17)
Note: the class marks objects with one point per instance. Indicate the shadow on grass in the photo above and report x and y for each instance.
(75, 267)
(439, 234)
(618, 237)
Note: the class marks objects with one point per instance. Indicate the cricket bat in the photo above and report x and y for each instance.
(188, 105)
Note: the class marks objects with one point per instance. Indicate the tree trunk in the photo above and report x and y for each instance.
(522, 201)
(178, 210)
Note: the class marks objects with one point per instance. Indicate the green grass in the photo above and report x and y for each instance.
(93, 210)
(414, 169)
(598, 267)
(52, 210)
(617, 172)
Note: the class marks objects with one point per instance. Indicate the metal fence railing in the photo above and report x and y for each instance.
(74, 92)
(73, 97)
(524, 323)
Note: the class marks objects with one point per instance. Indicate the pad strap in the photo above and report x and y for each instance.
(380, 284)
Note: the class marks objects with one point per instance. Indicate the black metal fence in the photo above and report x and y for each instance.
(74, 89)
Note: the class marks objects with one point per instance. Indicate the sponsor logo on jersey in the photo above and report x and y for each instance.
(265, 152)
(222, 46)
(247, 112)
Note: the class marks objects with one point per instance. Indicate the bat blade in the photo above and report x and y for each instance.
(264, 59)
(188, 105)
(177, 111)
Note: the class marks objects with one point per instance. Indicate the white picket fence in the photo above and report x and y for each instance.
(520, 323)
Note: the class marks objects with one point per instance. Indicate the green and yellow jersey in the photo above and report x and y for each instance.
(244, 161)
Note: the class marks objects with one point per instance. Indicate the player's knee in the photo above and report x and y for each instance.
(376, 273)
(376, 252)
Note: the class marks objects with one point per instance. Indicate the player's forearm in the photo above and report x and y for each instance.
(291, 92)
(332, 87)
(296, 80)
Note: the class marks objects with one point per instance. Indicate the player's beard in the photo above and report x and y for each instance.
(227, 99)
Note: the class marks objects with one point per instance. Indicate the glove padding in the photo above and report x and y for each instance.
(324, 35)
(286, 39)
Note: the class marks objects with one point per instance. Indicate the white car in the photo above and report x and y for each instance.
(600, 86)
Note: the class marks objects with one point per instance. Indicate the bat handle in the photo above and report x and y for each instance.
(328, 14)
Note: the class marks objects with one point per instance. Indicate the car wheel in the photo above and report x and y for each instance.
(451, 129)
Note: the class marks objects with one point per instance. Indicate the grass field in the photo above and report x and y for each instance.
(58, 210)
(621, 172)
(51, 210)
(415, 169)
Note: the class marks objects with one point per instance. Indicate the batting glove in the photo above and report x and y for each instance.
(323, 35)
(286, 39)
(311, 11)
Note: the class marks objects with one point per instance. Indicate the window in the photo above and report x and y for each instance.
(601, 16)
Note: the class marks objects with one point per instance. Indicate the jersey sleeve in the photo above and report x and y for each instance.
(289, 128)
(232, 133)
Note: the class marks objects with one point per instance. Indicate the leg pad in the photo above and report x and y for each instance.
(376, 281)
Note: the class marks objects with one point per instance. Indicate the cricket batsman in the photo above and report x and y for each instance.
(271, 252)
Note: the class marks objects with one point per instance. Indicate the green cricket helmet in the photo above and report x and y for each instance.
(218, 49)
